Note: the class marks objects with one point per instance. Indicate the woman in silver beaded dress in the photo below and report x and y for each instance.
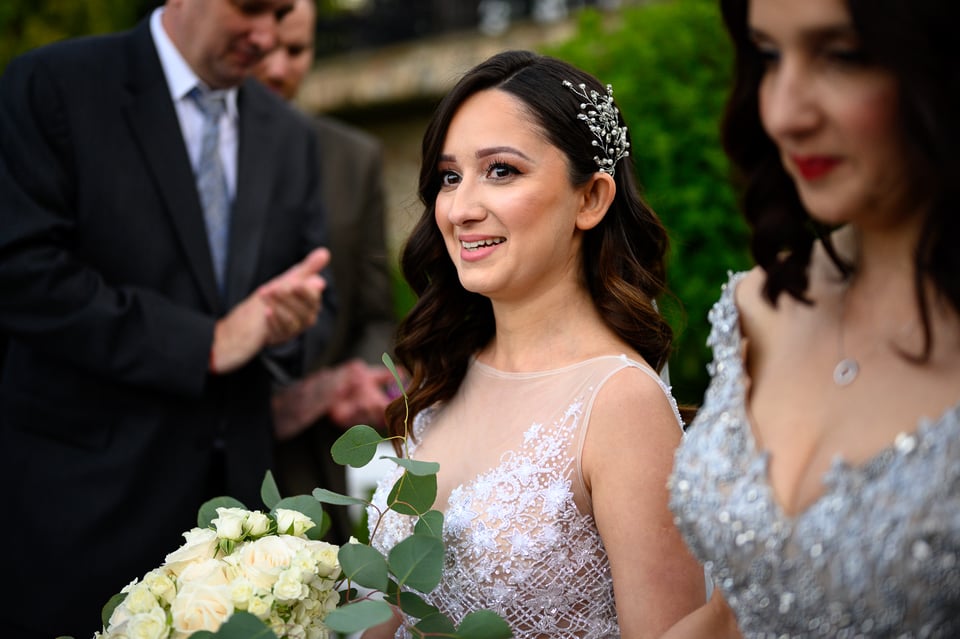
(533, 351)
(820, 482)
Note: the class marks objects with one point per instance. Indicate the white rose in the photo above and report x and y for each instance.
(200, 606)
(260, 606)
(293, 522)
(201, 543)
(289, 587)
(257, 524)
(326, 556)
(229, 523)
(140, 600)
(211, 572)
(263, 560)
(241, 591)
(150, 625)
(161, 585)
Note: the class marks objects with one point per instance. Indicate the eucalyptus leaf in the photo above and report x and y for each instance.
(329, 497)
(484, 624)
(243, 625)
(309, 507)
(388, 362)
(358, 616)
(356, 447)
(415, 467)
(109, 607)
(414, 605)
(417, 562)
(430, 524)
(413, 494)
(269, 492)
(208, 511)
(434, 625)
(364, 565)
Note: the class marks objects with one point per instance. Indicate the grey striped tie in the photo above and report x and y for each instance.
(211, 180)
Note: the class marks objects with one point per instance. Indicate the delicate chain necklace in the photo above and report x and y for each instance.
(848, 367)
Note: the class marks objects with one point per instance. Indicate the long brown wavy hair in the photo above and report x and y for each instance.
(623, 256)
(915, 41)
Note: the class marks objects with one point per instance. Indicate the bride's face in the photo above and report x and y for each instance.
(506, 208)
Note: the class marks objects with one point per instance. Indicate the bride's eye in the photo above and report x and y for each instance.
(501, 170)
(449, 178)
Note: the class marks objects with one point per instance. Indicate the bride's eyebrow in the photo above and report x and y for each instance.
(495, 150)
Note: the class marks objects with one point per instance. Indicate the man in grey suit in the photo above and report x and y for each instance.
(142, 327)
(348, 385)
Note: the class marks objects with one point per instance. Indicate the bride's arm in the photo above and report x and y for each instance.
(626, 460)
(714, 620)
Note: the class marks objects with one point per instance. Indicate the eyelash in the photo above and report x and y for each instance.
(838, 56)
(495, 165)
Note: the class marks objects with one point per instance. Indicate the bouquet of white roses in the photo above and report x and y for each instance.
(263, 564)
(245, 574)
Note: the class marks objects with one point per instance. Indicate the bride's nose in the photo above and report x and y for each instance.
(465, 205)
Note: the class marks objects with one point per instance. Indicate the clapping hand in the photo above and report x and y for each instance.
(277, 311)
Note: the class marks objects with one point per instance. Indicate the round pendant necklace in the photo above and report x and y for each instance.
(848, 367)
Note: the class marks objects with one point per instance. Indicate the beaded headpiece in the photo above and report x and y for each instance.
(602, 116)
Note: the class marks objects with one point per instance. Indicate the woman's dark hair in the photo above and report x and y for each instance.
(623, 256)
(914, 40)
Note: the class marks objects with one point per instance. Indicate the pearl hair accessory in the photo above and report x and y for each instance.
(602, 116)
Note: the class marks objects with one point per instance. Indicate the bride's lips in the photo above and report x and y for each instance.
(477, 247)
(812, 167)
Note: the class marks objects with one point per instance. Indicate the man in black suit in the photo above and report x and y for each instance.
(346, 385)
(135, 384)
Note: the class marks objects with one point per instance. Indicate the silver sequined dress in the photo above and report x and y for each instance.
(878, 555)
(520, 539)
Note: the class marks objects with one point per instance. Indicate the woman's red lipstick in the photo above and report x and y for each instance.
(812, 167)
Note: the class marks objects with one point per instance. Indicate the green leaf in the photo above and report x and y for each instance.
(364, 565)
(430, 524)
(208, 511)
(110, 606)
(435, 625)
(413, 494)
(269, 492)
(243, 625)
(417, 562)
(484, 624)
(356, 447)
(414, 605)
(388, 362)
(329, 497)
(415, 467)
(309, 507)
(358, 616)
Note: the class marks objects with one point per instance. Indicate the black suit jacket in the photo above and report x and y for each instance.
(351, 177)
(112, 433)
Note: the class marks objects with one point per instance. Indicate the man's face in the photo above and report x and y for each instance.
(223, 40)
(284, 68)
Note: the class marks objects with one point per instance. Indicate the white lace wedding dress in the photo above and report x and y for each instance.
(519, 533)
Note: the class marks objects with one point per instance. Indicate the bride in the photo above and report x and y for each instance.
(534, 349)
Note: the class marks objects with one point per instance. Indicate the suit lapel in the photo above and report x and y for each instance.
(252, 201)
(154, 124)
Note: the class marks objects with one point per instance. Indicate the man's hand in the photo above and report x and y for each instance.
(276, 312)
(349, 394)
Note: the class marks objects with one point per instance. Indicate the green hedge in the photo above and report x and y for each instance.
(669, 64)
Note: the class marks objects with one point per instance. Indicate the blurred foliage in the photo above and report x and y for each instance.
(669, 64)
(27, 24)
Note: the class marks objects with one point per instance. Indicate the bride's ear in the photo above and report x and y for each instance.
(598, 194)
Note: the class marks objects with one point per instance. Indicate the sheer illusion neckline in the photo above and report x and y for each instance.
(839, 467)
(487, 369)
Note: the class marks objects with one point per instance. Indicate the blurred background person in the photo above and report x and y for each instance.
(820, 481)
(159, 213)
(348, 384)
